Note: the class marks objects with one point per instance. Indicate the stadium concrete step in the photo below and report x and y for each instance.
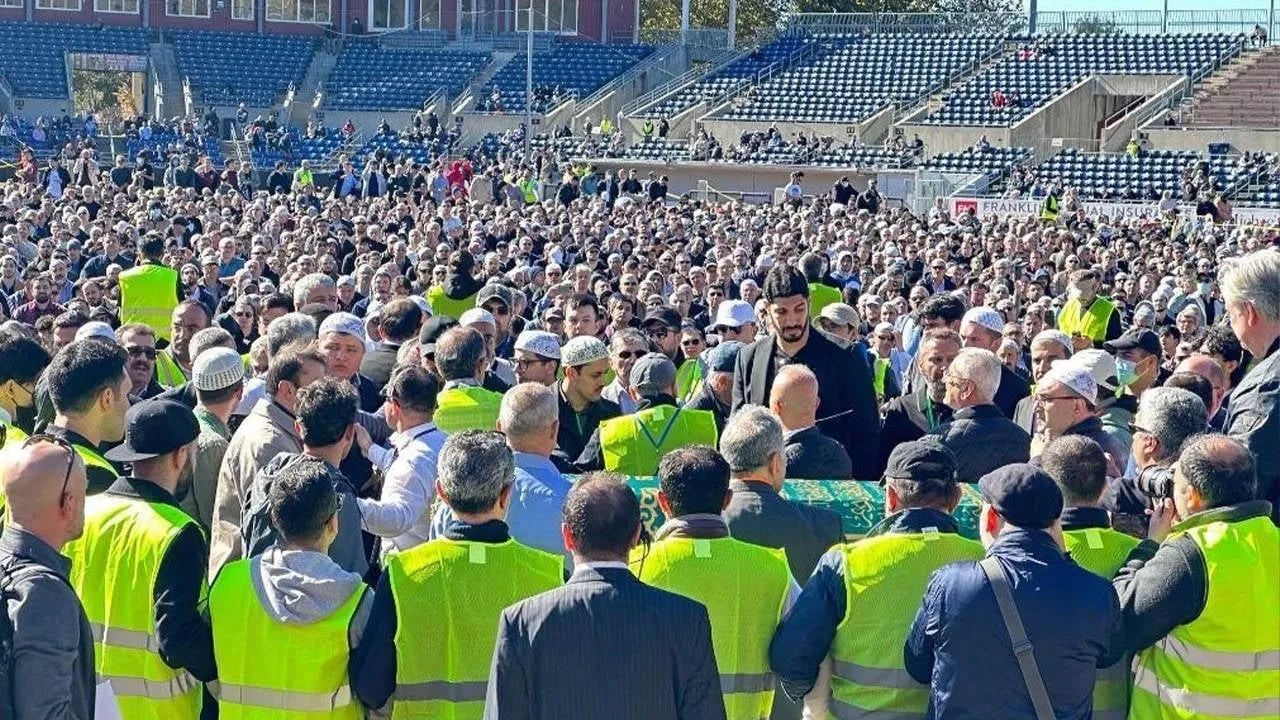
(313, 82)
(1247, 94)
(166, 66)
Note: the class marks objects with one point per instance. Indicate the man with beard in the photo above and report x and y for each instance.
(90, 392)
(137, 530)
(139, 341)
(846, 403)
(173, 364)
(41, 303)
(21, 362)
(922, 411)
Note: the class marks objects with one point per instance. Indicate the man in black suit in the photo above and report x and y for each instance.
(605, 645)
(398, 321)
(983, 328)
(846, 402)
(810, 454)
(923, 410)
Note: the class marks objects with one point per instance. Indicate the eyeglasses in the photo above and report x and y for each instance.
(658, 333)
(497, 309)
(1135, 428)
(526, 362)
(138, 351)
(1052, 398)
(244, 314)
(62, 443)
(628, 354)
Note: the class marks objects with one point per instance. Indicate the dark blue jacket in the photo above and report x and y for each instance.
(959, 644)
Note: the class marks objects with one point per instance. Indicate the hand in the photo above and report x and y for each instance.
(1080, 342)
(363, 439)
(1163, 515)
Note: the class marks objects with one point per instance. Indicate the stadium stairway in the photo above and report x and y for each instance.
(322, 63)
(1244, 94)
(166, 65)
(471, 95)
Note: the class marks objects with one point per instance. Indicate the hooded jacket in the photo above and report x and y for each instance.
(300, 587)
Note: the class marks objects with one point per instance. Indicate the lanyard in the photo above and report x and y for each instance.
(928, 411)
(665, 431)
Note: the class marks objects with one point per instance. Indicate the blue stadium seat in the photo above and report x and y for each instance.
(370, 77)
(32, 55)
(571, 67)
(227, 68)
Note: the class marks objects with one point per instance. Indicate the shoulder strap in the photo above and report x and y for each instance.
(1022, 648)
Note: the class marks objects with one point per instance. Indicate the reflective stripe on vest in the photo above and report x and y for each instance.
(467, 407)
(885, 579)
(632, 444)
(454, 593)
(744, 588)
(306, 669)
(1091, 323)
(113, 569)
(1103, 551)
(1226, 662)
(148, 295)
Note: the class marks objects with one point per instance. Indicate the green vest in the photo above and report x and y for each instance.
(148, 295)
(885, 578)
(647, 128)
(688, 379)
(13, 437)
(744, 588)
(168, 372)
(1091, 323)
(268, 669)
(530, 189)
(1226, 662)
(467, 407)
(1049, 208)
(1102, 551)
(880, 368)
(442, 304)
(113, 570)
(633, 444)
(302, 177)
(820, 296)
(448, 597)
(93, 458)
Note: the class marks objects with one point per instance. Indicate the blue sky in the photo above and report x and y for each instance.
(1151, 4)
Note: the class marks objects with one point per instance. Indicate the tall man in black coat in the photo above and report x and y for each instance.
(846, 400)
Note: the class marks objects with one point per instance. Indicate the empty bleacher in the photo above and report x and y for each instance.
(1110, 176)
(1040, 70)
(33, 55)
(575, 68)
(853, 77)
(1249, 98)
(718, 82)
(978, 159)
(316, 149)
(228, 68)
(370, 77)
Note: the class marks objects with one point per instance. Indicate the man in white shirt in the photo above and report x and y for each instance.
(401, 517)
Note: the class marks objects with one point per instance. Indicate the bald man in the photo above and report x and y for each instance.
(53, 672)
(810, 454)
(1209, 369)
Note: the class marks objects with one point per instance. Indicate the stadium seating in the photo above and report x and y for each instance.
(370, 77)
(1036, 76)
(1112, 176)
(162, 140)
(395, 147)
(32, 55)
(716, 83)
(228, 68)
(977, 159)
(853, 77)
(664, 149)
(573, 67)
(317, 150)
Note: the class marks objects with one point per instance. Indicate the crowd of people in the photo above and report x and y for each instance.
(296, 447)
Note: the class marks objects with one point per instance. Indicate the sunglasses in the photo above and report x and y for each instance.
(659, 333)
(136, 351)
(628, 354)
(244, 314)
(62, 443)
(690, 343)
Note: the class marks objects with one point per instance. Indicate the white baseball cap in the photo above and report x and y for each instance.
(734, 314)
(477, 316)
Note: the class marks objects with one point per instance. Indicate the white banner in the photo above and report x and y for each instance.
(1113, 210)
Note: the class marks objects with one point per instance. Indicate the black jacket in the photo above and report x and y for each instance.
(1164, 585)
(1012, 389)
(759, 515)
(53, 669)
(908, 418)
(1253, 417)
(982, 440)
(578, 430)
(814, 456)
(847, 408)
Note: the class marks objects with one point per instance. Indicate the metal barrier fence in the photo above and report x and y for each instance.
(1150, 22)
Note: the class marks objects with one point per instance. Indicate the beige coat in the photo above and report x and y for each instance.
(266, 432)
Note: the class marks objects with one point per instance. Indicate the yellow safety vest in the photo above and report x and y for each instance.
(168, 372)
(14, 436)
(303, 177)
(530, 190)
(633, 444)
(113, 570)
(1049, 208)
(688, 379)
(467, 407)
(442, 304)
(1102, 551)
(820, 296)
(647, 128)
(93, 458)
(1092, 323)
(885, 578)
(148, 295)
(453, 592)
(1226, 662)
(268, 669)
(881, 368)
(744, 588)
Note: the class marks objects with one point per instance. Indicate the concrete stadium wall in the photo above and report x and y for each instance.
(1243, 139)
(48, 107)
(1117, 135)
(762, 180)
(954, 138)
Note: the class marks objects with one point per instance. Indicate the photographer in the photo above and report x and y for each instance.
(1201, 596)
(1166, 417)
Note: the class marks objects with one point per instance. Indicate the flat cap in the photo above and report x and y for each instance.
(653, 373)
(722, 357)
(1023, 494)
(842, 314)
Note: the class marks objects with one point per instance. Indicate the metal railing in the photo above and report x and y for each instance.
(659, 55)
(876, 22)
(1150, 22)
(679, 82)
(714, 38)
(800, 54)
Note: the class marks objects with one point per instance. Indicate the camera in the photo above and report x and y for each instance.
(1156, 482)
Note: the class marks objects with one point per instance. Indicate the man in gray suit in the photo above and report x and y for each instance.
(753, 444)
(605, 646)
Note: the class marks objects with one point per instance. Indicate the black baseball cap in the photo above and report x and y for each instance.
(923, 461)
(664, 316)
(1023, 494)
(432, 329)
(1140, 338)
(154, 428)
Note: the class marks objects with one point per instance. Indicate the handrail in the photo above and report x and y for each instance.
(680, 82)
(660, 54)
